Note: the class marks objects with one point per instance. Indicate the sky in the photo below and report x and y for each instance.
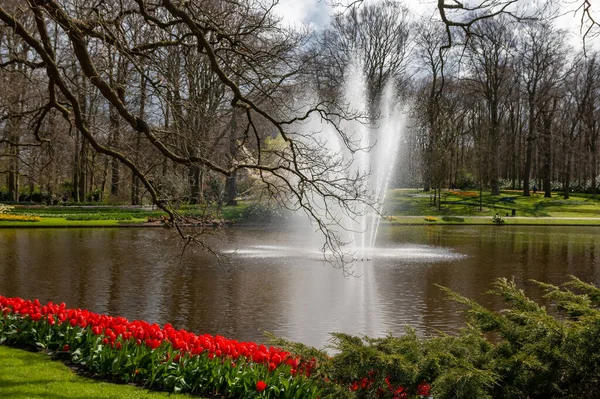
(316, 13)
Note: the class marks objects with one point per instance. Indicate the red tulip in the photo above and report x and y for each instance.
(261, 386)
(423, 389)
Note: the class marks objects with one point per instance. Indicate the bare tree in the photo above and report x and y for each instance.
(489, 61)
(541, 57)
(378, 35)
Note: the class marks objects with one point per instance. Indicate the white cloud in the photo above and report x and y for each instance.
(314, 13)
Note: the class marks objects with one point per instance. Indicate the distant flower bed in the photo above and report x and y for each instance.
(18, 218)
(5, 208)
(465, 193)
(164, 358)
(431, 219)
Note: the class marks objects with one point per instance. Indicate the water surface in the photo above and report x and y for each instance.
(274, 280)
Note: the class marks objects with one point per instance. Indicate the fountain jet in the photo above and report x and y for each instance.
(379, 142)
(368, 150)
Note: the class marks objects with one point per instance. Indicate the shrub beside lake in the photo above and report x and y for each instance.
(535, 353)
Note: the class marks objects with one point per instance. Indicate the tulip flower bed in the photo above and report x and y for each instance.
(19, 218)
(562, 353)
(162, 358)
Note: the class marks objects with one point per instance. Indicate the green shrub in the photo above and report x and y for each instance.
(456, 219)
(535, 354)
(264, 213)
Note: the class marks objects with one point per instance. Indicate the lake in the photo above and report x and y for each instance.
(273, 279)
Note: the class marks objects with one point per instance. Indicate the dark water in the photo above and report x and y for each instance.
(274, 280)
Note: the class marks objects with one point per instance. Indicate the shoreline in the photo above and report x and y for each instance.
(408, 221)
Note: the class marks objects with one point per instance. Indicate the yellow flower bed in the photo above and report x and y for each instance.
(19, 218)
(430, 219)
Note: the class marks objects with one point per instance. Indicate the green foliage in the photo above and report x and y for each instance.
(465, 180)
(535, 354)
(454, 364)
(263, 213)
(542, 355)
(323, 372)
(456, 219)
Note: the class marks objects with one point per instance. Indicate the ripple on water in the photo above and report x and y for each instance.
(424, 253)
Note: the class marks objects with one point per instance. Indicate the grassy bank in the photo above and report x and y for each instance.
(63, 222)
(111, 216)
(487, 220)
(25, 375)
(402, 203)
(403, 206)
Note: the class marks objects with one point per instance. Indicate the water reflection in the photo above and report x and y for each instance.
(276, 282)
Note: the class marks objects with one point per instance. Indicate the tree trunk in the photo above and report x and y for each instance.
(231, 189)
(527, 170)
(529, 150)
(14, 153)
(13, 172)
(567, 181)
(80, 169)
(594, 168)
(114, 163)
(547, 154)
(135, 181)
(231, 181)
(494, 149)
(194, 178)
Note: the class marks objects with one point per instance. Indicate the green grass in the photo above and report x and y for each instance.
(109, 216)
(487, 220)
(234, 212)
(63, 222)
(27, 375)
(417, 203)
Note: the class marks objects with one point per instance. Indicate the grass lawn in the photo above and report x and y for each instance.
(62, 222)
(108, 216)
(487, 220)
(417, 203)
(28, 375)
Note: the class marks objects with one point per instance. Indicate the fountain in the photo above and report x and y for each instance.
(378, 142)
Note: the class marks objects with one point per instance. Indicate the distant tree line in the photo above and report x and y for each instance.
(519, 108)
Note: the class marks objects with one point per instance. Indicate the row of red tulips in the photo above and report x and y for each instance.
(177, 360)
(166, 358)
